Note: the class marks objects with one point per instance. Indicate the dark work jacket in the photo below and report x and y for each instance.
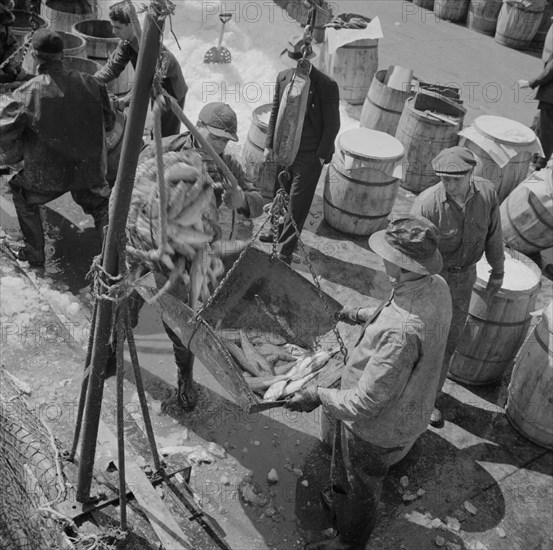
(323, 110)
(61, 118)
(544, 83)
(8, 45)
(127, 52)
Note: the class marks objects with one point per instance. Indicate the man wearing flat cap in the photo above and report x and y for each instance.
(60, 118)
(465, 209)
(389, 383)
(320, 126)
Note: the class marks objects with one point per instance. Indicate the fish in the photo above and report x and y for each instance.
(236, 352)
(295, 385)
(275, 390)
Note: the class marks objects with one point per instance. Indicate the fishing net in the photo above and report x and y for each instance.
(31, 480)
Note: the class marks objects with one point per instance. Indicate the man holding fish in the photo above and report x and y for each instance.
(389, 383)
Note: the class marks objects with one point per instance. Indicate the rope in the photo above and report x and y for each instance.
(162, 186)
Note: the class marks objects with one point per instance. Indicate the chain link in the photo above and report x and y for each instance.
(24, 48)
(280, 207)
(285, 201)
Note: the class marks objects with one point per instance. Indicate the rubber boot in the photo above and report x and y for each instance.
(187, 393)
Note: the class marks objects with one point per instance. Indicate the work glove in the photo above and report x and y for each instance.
(305, 400)
(234, 198)
(495, 282)
(348, 314)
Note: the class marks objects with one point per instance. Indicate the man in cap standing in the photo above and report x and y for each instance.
(465, 209)
(389, 383)
(60, 118)
(217, 124)
(320, 127)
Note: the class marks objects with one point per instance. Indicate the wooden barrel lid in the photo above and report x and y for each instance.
(522, 276)
(504, 130)
(363, 143)
(262, 114)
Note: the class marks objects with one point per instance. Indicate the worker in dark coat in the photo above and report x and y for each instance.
(543, 123)
(320, 128)
(8, 42)
(465, 209)
(127, 51)
(389, 382)
(59, 121)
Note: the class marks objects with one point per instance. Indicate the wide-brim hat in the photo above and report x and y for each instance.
(410, 242)
(292, 53)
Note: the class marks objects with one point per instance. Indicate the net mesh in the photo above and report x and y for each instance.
(30, 475)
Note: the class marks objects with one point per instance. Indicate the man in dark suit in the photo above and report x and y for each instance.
(320, 128)
(543, 123)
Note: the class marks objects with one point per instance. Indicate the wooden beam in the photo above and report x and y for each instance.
(167, 529)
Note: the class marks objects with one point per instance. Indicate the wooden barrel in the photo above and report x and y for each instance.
(423, 137)
(485, 135)
(530, 401)
(383, 105)
(264, 174)
(451, 10)
(496, 324)
(100, 44)
(22, 27)
(538, 41)
(81, 64)
(63, 14)
(483, 14)
(426, 4)
(353, 67)
(516, 26)
(527, 215)
(73, 46)
(361, 183)
(114, 142)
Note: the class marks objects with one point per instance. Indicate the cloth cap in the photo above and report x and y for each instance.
(220, 119)
(293, 52)
(454, 161)
(47, 41)
(410, 242)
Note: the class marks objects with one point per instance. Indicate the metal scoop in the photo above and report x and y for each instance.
(219, 54)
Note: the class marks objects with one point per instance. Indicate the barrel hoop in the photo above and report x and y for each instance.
(346, 47)
(538, 215)
(499, 323)
(366, 183)
(486, 360)
(543, 344)
(432, 141)
(383, 108)
(254, 145)
(360, 216)
(515, 229)
(504, 39)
